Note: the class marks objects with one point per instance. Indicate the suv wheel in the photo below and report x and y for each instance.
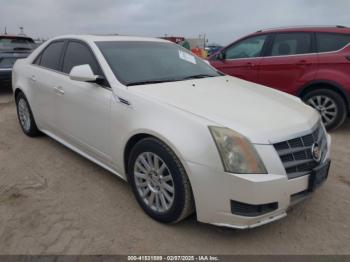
(25, 116)
(330, 105)
(159, 181)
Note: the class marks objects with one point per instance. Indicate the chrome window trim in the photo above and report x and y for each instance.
(313, 53)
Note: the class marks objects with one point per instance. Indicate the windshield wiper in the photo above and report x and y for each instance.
(168, 80)
(197, 76)
(147, 82)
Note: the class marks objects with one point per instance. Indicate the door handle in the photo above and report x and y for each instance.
(59, 90)
(33, 78)
(250, 64)
(302, 62)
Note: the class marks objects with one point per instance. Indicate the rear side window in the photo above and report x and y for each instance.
(327, 42)
(291, 44)
(50, 57)
(79, 54)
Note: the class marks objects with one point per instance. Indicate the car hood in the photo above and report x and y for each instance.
(262, 114)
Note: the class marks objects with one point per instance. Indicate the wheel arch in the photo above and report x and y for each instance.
(17, 92)
(135, 138)
(327, 84)
(129, 146)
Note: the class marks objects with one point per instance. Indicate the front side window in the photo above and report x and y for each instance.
(79, 54)
(145, 62)
(328, 42)
(50, 57)
(247, 48)
(291, 44)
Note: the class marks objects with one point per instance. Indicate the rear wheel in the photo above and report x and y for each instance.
(329, 104)
(25, 116)
(159, 181)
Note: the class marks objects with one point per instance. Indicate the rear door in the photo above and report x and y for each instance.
(83, 108)
(241, 59)
(44, 79)
(290, 61)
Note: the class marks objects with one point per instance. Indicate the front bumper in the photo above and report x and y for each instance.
(215, 190)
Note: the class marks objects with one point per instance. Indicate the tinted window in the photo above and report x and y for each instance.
(79, 54)
(291, 44)
(136, 63)
(50, 58)
(10, 43)
(331, 42)
(250, 47)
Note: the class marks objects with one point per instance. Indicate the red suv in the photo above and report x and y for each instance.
(310, 62)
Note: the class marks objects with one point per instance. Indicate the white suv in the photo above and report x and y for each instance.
(185, 136)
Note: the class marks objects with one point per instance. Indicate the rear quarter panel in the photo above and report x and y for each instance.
(335, 67)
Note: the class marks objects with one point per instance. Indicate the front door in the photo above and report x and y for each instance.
(83, 108)
(241, 59)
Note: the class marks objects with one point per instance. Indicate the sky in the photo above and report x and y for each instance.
(222, 21)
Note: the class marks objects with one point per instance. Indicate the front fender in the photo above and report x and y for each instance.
(186, 134)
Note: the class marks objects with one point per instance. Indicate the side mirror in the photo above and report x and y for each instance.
(221, 55)
(83, 73)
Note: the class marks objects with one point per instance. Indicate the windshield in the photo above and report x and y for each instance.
(135, 63)
(16, 44)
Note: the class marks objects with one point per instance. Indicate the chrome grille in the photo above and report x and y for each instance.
(296, 154)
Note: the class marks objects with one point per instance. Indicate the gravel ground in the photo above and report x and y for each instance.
(53, 201)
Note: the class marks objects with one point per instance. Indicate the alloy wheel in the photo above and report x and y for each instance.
(326, 106)
(154, 182)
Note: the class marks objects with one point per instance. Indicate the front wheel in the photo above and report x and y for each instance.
(330, 105)
(159, 181)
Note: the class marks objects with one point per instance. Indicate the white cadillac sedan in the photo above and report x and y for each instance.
(186, 137)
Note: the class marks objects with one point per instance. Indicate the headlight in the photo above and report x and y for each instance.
(238, 155)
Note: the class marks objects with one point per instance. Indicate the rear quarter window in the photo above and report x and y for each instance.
(328, 42)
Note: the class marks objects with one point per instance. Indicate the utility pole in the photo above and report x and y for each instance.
(204, 40)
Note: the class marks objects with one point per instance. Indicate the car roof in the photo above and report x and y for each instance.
(327, 29)
(98, 38)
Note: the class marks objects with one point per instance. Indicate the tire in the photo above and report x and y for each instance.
(25, 116)
(335, 108)
(146, 181)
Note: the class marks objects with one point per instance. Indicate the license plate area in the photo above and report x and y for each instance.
(318, 176)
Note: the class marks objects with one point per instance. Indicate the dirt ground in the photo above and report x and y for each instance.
(53, 201)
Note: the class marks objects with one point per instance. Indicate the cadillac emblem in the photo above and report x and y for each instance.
(316, 152)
